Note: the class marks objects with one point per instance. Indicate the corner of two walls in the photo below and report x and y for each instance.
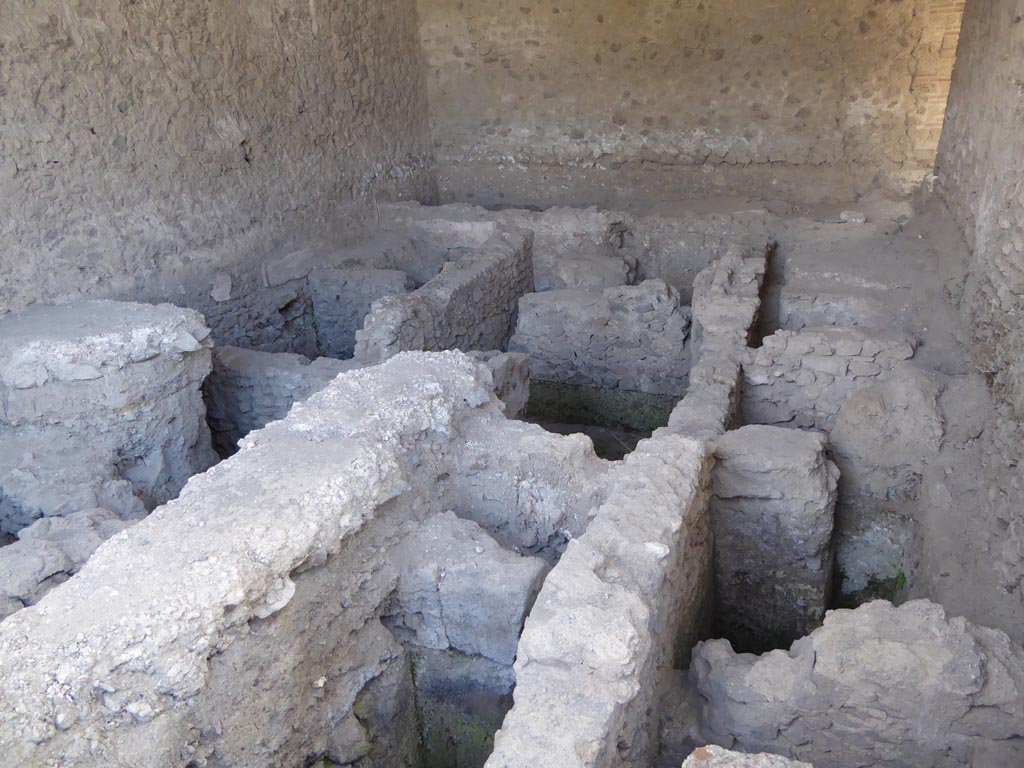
(161, 151)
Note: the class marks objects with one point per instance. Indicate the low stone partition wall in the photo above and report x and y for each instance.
(801, 378)
(248, 389)
(632, 338)
(590, 249)
(470, 305)
(619, 610)
(582, 249)
(726, 302)
(879, 686)
(101, 418)
(245, 623)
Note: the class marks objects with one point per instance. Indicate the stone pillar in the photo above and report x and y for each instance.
(772, 510)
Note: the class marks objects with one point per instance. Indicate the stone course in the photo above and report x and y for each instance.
(801, 378)
(101, 419)
(632, 338)
(881, 686)
(726, 302)
(470, 305)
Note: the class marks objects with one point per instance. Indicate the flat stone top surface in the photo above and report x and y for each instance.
(717, 757)
(766, 448)
(73, 341)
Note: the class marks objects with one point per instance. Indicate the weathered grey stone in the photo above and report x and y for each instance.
(49, 552)
(342, 297)
(458, 589)
(772, 510)
(248, 389)
(613, 616)
(716, 757)
(511, 374)
(470, 305)
(151, 646)
(881, 686)
(633, 338)
(801, 378)
(101, 418)
(532, 490)
(726, 301)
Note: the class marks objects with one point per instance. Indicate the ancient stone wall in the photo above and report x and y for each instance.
(980, 178)
(616, 613)
(156, 150)
(772, 513)
(101, 419)
(471, 305)
(621, 85)
(249, 389)
(726, 303)
(631, 337)
(882, 686)
(239, 565)
(801, 378)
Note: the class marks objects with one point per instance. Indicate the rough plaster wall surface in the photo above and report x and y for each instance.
(609, 83)
(982, 181)
(144, 146)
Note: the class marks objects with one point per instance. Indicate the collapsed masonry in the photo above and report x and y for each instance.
(391, 570)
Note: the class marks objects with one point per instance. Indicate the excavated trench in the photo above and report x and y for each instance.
(671, 471)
